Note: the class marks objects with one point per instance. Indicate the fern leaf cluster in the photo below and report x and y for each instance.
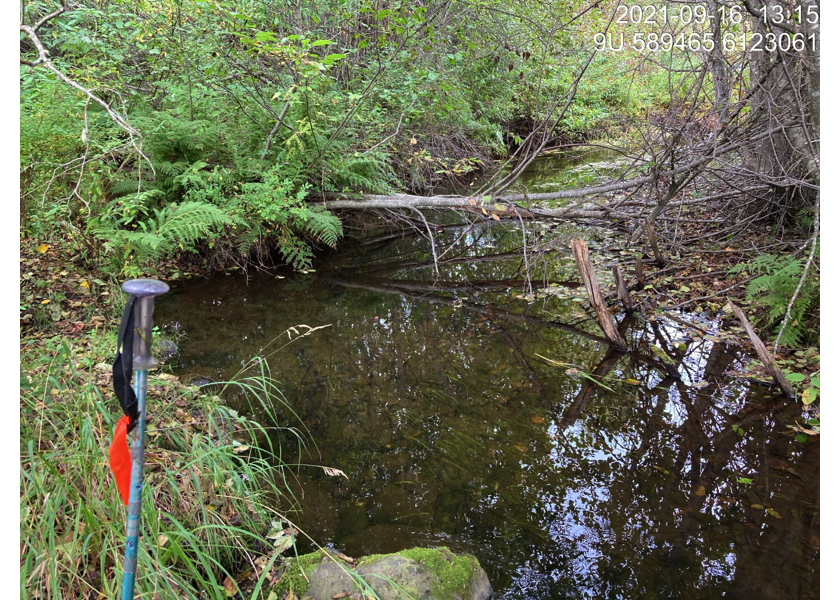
(175, 226)
(778, 278)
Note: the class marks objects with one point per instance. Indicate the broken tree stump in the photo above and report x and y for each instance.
(767, 360)
(640, 274)
(621, 289)
(657, 254)
(581, 253)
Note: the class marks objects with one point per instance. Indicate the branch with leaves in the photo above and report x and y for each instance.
(31, 32)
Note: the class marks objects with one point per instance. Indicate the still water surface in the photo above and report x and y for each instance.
(465, 415)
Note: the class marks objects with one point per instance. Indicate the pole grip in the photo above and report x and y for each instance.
(145, 290)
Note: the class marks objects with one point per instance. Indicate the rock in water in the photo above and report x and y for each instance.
(420, 573)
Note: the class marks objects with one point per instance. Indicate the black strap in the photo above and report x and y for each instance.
(124, 364)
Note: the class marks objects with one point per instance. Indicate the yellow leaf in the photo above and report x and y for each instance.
(162, 540)
(85, 285)
(47, 301)
(756, 506)
(700, 491)
(773, 513)
(495, 217)
(537, 420)
(43, 248)
(413, 141)
(230, 587)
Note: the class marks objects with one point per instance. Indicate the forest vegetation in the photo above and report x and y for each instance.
(164, 136)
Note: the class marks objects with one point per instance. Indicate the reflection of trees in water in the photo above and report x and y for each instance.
(624, 495)
(665, 516)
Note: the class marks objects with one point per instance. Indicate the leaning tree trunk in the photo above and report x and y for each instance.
(785, 92)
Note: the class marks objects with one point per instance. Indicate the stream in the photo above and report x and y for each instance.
(482, 409)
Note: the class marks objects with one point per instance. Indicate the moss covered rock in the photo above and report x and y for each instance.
(420, 573)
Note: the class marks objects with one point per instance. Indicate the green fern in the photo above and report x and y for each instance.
(173, 226)
(321, 225)
(368, 173)
(772, 290)
(124, 187)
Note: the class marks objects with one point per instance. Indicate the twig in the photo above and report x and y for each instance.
(715, 295)
(431, 240)
(810, 261)
(276, 128)
(399, 123)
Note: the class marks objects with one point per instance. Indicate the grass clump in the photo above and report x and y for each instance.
(205, 499)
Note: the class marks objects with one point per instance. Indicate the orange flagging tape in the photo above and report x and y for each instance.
(120, 458)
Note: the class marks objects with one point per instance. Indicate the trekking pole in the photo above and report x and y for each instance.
(136, 344)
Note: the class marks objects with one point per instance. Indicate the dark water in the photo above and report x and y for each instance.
(433, 397)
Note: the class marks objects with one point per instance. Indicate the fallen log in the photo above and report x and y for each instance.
(504, 205)
(767, 360)
(581, 253)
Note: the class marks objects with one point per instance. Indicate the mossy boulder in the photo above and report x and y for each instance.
(419, 573)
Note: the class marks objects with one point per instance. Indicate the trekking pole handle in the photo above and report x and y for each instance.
(145, 291)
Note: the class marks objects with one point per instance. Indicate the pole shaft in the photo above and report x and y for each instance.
(136, 489)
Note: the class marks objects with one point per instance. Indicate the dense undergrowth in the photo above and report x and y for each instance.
(244, 110)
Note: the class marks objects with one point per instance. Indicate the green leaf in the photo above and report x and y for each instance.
(809, 396)
(744, 480)
(265, 36)
(322, 43)
(795, 377)
(815, 382)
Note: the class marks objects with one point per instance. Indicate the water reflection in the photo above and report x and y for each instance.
(466, 416)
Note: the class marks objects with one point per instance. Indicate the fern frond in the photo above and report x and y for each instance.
(191, 221)
(124, 187)
(321, 225)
